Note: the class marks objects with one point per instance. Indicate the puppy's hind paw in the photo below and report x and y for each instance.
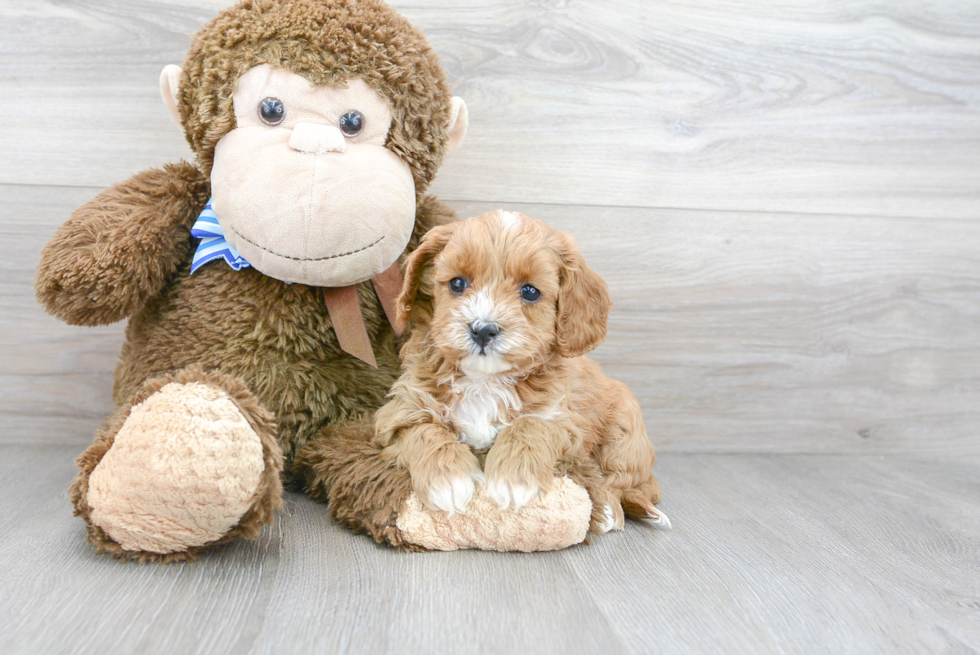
(657, 517)
(512, 495)
(609, 521)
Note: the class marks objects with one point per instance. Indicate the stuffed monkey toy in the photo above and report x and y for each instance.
(258, 282)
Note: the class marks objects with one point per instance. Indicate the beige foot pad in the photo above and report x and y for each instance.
(549, 521)
(183, 469)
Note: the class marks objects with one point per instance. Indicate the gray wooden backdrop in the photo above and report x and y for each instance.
(785, 199)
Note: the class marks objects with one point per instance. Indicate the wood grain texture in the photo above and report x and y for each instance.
(768, 554)
(738, 332)
(868, 107)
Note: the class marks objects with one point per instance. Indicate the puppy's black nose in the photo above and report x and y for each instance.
(484, 334)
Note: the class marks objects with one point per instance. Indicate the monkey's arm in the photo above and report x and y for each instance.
(118, 250)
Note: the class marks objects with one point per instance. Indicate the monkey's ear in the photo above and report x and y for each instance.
(432, 244)
(459, 120)
(583, 304)
(169, 84)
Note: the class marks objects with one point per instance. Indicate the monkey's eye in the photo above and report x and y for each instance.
(272, 111)
(458, 285)
(351, 123)
(529, 293)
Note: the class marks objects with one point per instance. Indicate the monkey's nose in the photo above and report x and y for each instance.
(316, 138)
(483, 334)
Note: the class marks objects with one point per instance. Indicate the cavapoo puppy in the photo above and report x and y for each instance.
(503, 309)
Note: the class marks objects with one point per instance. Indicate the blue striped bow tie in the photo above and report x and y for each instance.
(213, 244)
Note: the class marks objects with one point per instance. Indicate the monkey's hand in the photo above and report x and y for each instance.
(118, 250)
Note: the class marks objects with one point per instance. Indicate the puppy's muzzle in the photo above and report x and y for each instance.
(483, 333)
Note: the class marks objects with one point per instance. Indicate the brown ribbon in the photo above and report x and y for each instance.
(388, 286)
(348, 321)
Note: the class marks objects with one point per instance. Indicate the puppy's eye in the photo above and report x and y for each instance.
(272, 111)
(458, 285)
(529, 293)
(351, 123)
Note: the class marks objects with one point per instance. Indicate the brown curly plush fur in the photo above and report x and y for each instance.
(365, 492)
(122, 247)
(127, 252)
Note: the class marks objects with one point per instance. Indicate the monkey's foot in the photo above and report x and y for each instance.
(551, 521)
(193, 463)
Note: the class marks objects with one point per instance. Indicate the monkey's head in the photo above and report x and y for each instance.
(320, 124)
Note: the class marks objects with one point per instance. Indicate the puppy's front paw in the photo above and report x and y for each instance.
(516, 474)
(447, 481)
(453, 494)
(511, 494)
(512, 482)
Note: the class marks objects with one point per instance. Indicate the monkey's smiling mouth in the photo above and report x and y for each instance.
(308, 259)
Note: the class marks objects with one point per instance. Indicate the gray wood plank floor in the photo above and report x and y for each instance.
(768, 554)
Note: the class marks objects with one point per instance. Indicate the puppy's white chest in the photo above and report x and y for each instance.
(480, 409)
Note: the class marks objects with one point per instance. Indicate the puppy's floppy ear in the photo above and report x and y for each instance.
(431, 245)
(583, 304)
